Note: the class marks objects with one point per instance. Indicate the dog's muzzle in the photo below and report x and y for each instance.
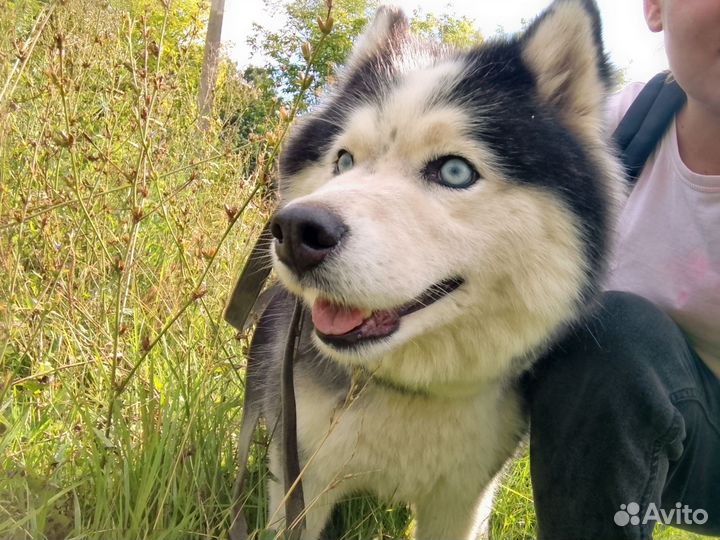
(305, 235)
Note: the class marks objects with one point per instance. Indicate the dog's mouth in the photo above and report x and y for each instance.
(347, 326)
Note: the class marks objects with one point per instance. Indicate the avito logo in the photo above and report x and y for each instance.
(629, 514)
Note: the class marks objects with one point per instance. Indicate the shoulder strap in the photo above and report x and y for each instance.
(646, 122)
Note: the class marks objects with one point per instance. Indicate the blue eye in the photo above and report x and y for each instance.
(451, 171)
(344, 162)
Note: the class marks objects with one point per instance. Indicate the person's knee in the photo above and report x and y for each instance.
(606, 368)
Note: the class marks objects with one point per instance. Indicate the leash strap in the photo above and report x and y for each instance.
(251, 281)
(244, 301)
(294, 503)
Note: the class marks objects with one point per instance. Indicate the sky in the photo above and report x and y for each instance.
(628, 41)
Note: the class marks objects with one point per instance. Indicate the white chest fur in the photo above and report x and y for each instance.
(405, 447)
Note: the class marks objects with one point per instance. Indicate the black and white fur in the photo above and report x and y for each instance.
(439, 413)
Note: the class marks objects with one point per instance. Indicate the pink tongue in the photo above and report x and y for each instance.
(333, 320)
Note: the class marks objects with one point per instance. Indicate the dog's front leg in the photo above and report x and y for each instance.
(449, 514)
(319, 505)
(320, 495)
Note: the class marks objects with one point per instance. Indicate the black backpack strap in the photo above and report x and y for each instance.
(646, 122)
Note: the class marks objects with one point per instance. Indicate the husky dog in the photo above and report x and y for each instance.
(444, 217)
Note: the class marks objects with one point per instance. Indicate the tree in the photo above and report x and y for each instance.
(211, 56)
(283, 47)
(446, 29)
(252, 106)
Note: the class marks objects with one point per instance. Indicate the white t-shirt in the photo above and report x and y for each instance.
(667, 247)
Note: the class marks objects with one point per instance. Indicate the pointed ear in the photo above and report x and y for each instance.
(389, 27)
(563, 48)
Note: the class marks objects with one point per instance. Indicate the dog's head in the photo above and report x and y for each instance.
(446, 210)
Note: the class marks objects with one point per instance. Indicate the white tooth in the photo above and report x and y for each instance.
(366, 313)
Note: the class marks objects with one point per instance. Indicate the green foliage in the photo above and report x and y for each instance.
(122, 229)
(282, 78)
(458, 32)
(283, 48)
(263, 102)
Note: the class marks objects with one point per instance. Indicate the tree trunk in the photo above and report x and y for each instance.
(208, 75)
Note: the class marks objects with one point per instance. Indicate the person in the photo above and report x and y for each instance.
(625, 411)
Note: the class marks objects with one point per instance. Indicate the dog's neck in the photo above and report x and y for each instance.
(362, 376)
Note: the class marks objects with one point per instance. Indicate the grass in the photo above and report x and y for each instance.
(122, 228)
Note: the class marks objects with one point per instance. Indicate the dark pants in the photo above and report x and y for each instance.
(624, 415)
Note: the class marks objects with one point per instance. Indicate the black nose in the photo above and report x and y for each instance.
(305, 234)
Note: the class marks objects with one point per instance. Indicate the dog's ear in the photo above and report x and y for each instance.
(388, 28)
(564, 50)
